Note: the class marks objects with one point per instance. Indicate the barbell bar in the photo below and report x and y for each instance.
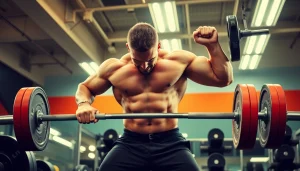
(31, 117)
(8, 119)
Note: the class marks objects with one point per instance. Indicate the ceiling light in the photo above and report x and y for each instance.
(54, 132)
(171, 45)
(267, 12)
(254, 61)
(63, 141)
(244, 62)
(87, 68)
(164, 16)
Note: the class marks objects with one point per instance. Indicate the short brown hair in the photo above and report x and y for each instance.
(142, 37)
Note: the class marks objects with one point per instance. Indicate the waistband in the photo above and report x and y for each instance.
(159, 135)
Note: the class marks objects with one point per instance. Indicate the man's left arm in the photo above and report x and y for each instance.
(215, 70)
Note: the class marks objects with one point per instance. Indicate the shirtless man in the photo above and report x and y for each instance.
(150, 80)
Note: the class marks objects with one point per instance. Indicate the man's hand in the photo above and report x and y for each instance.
(85, 113)
(206, 35)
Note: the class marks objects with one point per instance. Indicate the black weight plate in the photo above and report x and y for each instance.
(215, 137)
(234, 37)
(109, 137)
(284, 153)
(216, 160)
(44, 166)
(14, 159)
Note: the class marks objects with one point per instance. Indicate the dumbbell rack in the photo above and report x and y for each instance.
(215, 150)
(285, 157)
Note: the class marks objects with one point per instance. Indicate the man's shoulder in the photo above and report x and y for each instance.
(177, 55)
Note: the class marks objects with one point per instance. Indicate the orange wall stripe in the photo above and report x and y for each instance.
(201, 102)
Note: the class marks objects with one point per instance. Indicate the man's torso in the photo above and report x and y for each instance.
(158, 92)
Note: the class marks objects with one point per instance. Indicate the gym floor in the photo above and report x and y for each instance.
(43, 42)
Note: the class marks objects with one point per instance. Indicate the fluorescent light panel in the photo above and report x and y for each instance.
(90, 68)
(164, 16)
(267, 12)
(62, 141)
(171, 44)
(54, 132)
(256, 44)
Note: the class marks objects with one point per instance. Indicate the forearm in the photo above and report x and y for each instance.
(83, 94)
(220, 64)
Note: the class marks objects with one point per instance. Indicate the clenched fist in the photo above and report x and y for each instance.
(205, 35)
(85, 113)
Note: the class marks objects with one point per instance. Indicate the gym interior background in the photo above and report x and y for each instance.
(45, 42)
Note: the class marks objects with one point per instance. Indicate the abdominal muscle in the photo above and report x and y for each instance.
(150, 103)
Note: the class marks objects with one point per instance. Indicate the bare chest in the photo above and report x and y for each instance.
(163, 78)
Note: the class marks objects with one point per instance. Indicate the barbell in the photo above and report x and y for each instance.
(31, 117)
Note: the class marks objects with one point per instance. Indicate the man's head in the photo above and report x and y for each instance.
(143, 46)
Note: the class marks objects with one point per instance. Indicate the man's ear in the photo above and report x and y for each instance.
(127, 47)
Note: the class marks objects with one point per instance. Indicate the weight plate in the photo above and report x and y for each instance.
(241, 124)
(215, 138)
(254, 117)
(44, 166)
(35, 135)
(234, 37)
(17, 115)
(282, 114)
(109, 137)
(268, 127)
(284, 153)
(216, 160)
(12, 158)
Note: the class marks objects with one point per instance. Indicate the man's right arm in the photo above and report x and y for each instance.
(96, 84)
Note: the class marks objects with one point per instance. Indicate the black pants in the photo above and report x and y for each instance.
(165, 151)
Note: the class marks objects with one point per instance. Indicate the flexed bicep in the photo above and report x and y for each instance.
(200, 71)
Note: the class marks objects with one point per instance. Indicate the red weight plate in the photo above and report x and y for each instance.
(36, 133)
(28, 145)
(254, 116)
(17, 115)
(282, 114)
(268, 129)
(240, 127)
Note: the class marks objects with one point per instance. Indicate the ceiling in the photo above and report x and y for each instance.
(53, 36)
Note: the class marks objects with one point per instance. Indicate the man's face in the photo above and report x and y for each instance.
(144, 61)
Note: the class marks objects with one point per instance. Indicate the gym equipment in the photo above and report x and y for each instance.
(284, 154)
(81, 168)
(216, 162)
(215, 143)
(44, 166)
(14, 159)
(31, 115)
(215, 137)
(235, 34)
(109, 137)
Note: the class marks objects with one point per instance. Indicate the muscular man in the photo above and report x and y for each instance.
(150, 79)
